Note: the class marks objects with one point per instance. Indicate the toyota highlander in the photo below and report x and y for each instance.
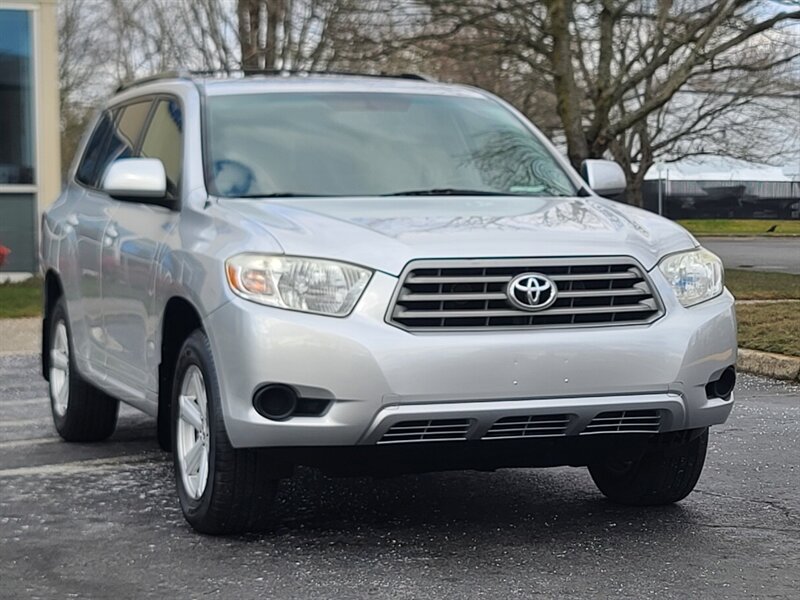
(372, 275)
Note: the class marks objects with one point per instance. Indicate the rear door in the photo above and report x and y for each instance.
(138, 232)
(89, 216)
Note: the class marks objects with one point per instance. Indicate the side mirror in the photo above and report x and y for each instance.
(605, 177)
(142, 178)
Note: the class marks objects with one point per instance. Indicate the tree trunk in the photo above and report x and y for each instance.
(568, 102)
(248, 13)
(274, 17)
(633, 193)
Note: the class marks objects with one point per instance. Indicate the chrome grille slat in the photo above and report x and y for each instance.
(426, 297)
(501, 296)
(426, 431)
(421, 314)
(528, 426)
(471, 294)
(470, 279)
(602, 293)
(633, 421)
(401, 427)
(595, 276)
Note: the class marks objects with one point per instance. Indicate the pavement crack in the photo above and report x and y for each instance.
(742, 526)
(787, 512)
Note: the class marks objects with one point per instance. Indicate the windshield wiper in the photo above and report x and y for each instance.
(279, 195)
(448, 192)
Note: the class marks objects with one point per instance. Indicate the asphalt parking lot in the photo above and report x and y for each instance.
(102, 521)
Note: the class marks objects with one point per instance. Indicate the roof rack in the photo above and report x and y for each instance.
(192, 74)
(182, 74)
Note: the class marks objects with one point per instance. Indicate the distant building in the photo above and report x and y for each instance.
(722, 188)
(30, 176)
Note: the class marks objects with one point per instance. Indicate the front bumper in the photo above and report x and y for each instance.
(377, 375)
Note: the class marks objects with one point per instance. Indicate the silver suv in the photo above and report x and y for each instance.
(372, 275)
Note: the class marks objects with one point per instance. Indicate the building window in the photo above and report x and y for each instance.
(16, 98)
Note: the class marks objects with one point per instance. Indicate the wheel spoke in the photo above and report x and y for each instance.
(194, 457)
(190, 412)
(202, 472)
(63, 393)
(195, 382)
(61, 337)
(59, 360)
(202, 401)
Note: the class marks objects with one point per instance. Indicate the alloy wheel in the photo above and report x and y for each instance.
(193, 440)
(59, 369)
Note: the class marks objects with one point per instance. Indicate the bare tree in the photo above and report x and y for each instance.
(638, 80)
(294, 34)
(615, 71)
(82, 51)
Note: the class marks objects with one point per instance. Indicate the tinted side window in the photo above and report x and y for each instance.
(87, 170)
(129, 124)
(164, 141)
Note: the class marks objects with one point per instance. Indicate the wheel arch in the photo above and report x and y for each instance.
(181, 317)
(52, 290)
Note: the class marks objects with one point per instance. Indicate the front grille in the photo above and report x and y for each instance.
(427, 431)
(470, 294)
(627, 421)
(528, 426)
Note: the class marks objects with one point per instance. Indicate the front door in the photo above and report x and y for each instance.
(138, 231)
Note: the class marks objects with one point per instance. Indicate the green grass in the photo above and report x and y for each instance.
(756, 285)
(773, 327)
(736, 227)
(21, 299)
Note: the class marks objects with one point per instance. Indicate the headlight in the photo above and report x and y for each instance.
(696, 276)
(306, 284)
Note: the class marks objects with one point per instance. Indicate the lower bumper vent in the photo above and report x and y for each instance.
(427, 431)
(528, 426)
(628, 421)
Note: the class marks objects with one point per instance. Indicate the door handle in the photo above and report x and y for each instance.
(111, 232)
(72, 219)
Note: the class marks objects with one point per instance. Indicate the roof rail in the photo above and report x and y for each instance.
(302, 72)
(180, 74)
(190, 75)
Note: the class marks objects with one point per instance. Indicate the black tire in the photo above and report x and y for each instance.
(90, 415)
(663, 475)
(240, 487)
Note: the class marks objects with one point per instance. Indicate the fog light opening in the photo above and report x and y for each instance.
(722, 387)
(275, 402)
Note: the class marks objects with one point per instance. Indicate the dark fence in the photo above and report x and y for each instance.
(724, 199)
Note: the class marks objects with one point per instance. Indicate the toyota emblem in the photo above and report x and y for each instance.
(532, 291)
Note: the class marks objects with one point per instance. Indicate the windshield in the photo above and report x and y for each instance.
(373, 144)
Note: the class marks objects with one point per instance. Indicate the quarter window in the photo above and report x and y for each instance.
(126, 133)
(94, 153)
(164, 141)
(114, 137)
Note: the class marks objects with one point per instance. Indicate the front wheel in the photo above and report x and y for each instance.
(222, 490)
(663, 475)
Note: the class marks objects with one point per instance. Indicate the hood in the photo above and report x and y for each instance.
(386, 233)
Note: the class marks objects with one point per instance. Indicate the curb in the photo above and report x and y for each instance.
(768, 364)
(20, 336)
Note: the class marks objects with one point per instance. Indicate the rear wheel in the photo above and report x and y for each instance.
(81, 412)
(222, 489)
(663, 475)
